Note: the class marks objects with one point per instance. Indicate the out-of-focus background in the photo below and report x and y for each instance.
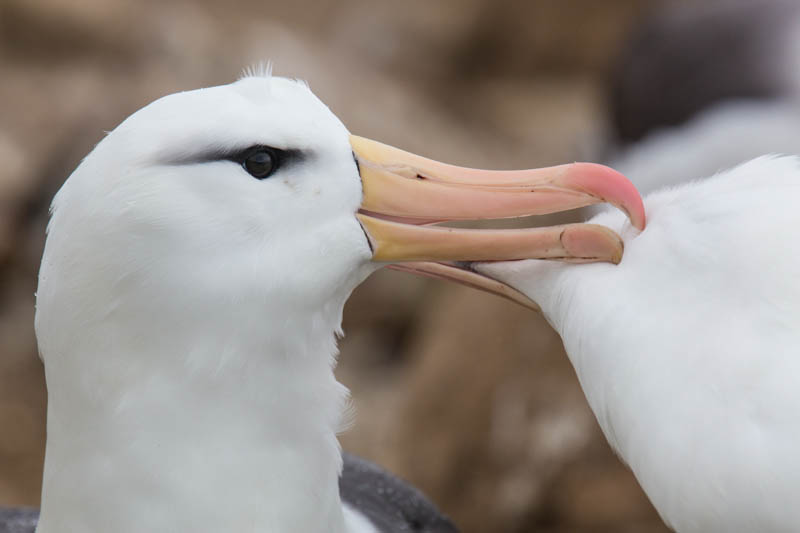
(466, 395)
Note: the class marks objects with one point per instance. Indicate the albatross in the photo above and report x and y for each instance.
(688, 351)
(191, 291)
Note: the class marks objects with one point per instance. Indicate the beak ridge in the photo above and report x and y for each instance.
(401, 184)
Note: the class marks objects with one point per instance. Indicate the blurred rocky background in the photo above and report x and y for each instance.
(464, 394)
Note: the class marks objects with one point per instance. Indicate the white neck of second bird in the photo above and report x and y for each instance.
(184, 430)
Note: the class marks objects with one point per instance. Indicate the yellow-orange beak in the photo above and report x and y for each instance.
(403, 193)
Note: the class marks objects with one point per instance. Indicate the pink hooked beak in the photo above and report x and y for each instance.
(403, 193)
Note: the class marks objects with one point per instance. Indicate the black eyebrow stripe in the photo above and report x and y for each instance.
(237, 155)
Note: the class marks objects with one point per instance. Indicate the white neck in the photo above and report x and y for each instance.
(186, 433)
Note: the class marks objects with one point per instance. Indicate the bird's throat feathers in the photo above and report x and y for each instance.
(203, 410)
(202, 430)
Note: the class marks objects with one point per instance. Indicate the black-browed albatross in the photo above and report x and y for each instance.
(191, 289)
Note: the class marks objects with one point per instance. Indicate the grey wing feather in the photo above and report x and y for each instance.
(18, 519)
(389, 503)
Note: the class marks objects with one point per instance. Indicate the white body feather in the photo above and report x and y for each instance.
(688, 351)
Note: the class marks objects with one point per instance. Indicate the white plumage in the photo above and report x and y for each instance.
(688, 351)
(171, 287)
(187, 316)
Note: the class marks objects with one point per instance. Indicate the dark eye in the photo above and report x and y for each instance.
(260, 163)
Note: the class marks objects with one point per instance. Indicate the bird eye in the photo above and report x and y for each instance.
(260, 163)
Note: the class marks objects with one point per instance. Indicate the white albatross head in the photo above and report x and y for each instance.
(194, 275)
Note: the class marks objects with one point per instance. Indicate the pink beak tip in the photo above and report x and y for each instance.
(611, 186)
